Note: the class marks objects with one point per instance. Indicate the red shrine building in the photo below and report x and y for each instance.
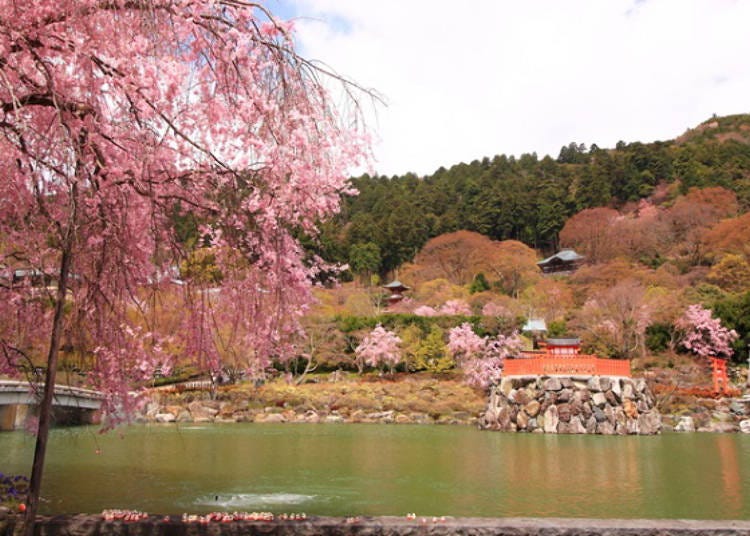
(563, 357)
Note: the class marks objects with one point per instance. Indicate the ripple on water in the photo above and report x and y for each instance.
(253, 500)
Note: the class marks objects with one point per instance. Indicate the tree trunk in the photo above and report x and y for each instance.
(45, 407)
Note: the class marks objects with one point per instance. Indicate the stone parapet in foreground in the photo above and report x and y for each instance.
(572, 405)
(82, 525)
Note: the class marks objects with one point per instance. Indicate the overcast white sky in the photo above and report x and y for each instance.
(465, 79)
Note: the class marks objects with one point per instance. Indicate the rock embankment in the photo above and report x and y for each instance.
(215, 411)
(572, 405)
(398, 399)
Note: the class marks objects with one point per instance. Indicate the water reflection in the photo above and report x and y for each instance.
(374, 469)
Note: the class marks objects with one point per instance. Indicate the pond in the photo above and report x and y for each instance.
(388, 470)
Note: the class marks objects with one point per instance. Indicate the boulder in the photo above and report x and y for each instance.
(599, 400)
(506, 386)
(152, 408)
(632, 426)
(551, 420)
(745, 426)
(630, 408)
(385, 417)
(522, 420)
(722, 427)
(553, 384)
(312, 417)
(649, 423)
(609, 412)
(605, 428)
(520, 397)
(565, 395)
(620, 417)
(628, 392)
(574, 426)
(532, 408)
(274, 418)
(202, 412)
(503, 418)
(686, 424)
(599, 414)
(723, 416)
(594, 384)
(165, 417)
(420, 418)
(738, 408)
(564, 412)
(605, 383)
(590, 425)
(403, 419)
(617, 388)
(640, 385)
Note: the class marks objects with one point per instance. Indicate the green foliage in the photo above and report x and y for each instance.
(364, 259)
(557, 328)
(659, 336)
(479, 284)
(734, 311)
(200, 267)
(397, 322)
(432, 354)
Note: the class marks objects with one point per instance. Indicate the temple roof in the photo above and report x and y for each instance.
(565, 255)
(570, 341)
(396, 285)
(535, 325)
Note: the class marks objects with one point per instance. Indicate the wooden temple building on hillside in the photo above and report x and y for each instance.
(396, 291)
(563, 357)
(563, 262)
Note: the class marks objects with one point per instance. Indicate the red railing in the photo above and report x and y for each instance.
(584, 365)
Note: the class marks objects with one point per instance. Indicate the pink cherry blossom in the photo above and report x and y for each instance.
(703, 334)
(380, 347)
(481, 358)
(425, 310)
(455, 307)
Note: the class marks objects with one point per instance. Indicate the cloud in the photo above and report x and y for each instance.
(478, 78)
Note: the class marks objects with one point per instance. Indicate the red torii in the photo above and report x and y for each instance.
(719, 370)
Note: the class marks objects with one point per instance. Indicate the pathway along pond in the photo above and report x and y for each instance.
(388, 470)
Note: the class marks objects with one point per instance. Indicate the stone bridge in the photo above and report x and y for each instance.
(19, 403)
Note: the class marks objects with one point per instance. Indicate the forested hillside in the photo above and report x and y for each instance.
(530, 199)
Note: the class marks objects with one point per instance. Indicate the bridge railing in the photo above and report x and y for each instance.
(16, 386)
(584, 365)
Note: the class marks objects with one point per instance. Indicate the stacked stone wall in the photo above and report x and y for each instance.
(572, 405)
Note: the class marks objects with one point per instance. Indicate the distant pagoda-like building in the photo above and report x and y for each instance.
(396, 291)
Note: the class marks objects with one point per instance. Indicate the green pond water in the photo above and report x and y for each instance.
(388, 470)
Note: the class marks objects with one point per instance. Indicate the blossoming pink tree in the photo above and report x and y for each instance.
(481, 358)
(379, 347)
(455, 307)
(117, 114)
(704, 335)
